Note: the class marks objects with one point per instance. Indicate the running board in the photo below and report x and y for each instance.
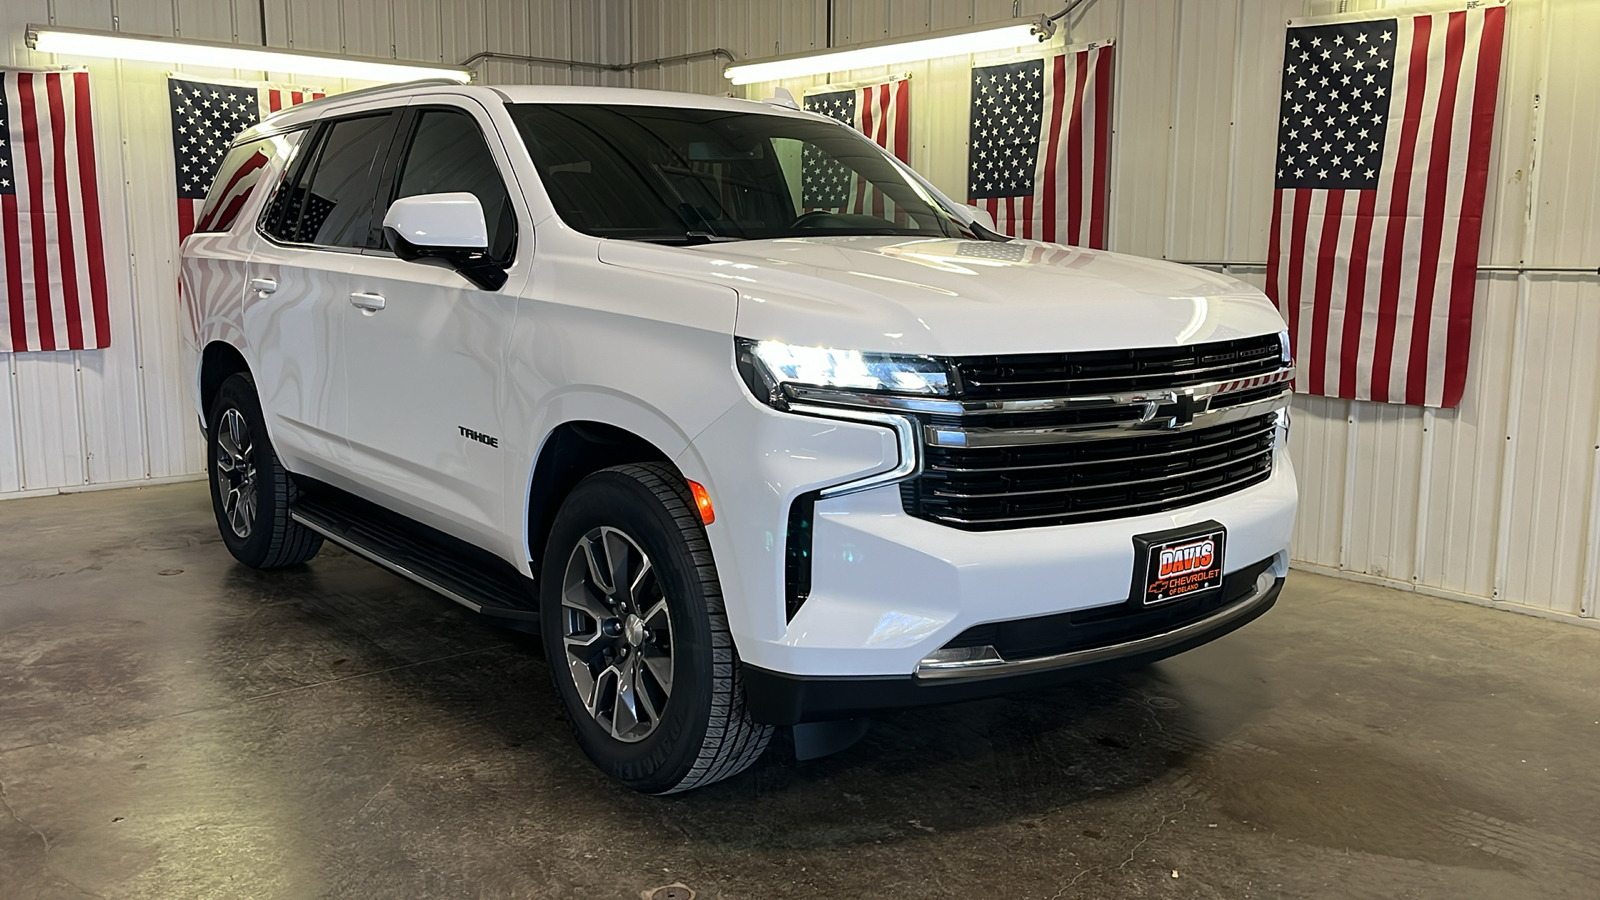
(465, 574)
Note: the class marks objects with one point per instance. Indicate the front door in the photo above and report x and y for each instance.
(425, 349)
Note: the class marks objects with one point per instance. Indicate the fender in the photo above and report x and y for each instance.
(589, 405)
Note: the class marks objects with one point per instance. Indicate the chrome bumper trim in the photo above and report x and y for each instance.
(978, 665)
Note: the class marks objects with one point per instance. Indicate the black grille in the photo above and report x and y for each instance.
(1069, 374)
(984, 489)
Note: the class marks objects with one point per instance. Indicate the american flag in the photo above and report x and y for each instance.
(1039, 153)
(1384, 132)
(54, 261)
(881, 112)
(206, 117)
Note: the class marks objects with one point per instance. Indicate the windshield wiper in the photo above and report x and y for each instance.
(688, 238)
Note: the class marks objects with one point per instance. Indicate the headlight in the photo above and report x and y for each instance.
(768, 365)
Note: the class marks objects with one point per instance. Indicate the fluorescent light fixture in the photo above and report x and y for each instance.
(956, 43)
(118, 45)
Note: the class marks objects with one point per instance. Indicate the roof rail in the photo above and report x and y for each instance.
(373, 91)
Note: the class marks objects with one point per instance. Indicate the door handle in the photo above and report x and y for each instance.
(263, 285)
(368, 302)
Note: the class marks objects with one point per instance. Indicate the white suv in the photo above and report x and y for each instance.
(754, 425)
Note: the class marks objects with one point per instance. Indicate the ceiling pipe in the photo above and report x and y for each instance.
(715, 53)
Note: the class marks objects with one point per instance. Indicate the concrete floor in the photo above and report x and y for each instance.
(174, 725)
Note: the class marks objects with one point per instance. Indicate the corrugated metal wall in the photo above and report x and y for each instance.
(70, 419)
(1497, 501)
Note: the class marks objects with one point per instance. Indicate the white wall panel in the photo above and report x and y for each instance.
(416, 29)
(10, 436)
(203, 20)
(1143, 143)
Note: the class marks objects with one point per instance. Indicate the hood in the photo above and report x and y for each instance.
(947, 297)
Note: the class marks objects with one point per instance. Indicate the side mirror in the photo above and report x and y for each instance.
(448, 227)
(982, 217)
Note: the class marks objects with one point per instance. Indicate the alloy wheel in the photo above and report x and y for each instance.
(236, 472)
(617, 632)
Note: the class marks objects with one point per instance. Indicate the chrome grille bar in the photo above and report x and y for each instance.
(1002, 468)
(1203, 416)
(1252, 457)
(1099, 512)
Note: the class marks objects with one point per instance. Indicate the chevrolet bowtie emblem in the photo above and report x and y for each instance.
(1174, 409)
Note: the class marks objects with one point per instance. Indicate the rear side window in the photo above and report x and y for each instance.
(448, 154)
(238, 175)
(327, 199)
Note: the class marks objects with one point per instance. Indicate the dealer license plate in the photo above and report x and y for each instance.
(1179, 563)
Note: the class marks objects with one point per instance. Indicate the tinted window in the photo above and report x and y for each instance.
(238, 175)
(448, 154)
(328, 198)
(282, 214)
(690, 175)
(339, 203)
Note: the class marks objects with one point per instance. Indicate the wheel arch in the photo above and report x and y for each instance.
(218, 360)
(572, 451)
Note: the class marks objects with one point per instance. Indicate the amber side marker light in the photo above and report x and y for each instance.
(702, 502)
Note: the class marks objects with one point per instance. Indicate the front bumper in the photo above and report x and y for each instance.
(888, 589)
(778, 698)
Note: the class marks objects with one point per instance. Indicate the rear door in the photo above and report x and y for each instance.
(216, 256)
(426, 352)
(312, 232)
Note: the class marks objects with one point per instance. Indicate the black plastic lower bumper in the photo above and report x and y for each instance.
(781, 699)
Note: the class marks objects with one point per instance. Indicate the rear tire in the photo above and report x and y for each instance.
(250, 491)
(638, 642)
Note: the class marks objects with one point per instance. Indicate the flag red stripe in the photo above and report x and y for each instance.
(902, 132)
(228, 213)
(19, 324)
(1322, 300)
(1075, 153)
(1464, 280)
(1027, 217)
(185, 218)
(1405, 162)
(89, 188)
(882, 140)
(902, 121)
(296, 98)
(1355, 293)
(252, 164)
(67, 242)
(1058, 77)
(1455, 41)
(1274, 242)
(274, 100)
(865, 104)
(41, 255)
(1102, 149)
(1297, 263)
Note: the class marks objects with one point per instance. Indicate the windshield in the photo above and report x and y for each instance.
(672, 175)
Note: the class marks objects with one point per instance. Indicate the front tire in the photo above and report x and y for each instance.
(636, 635)
(250, 491)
